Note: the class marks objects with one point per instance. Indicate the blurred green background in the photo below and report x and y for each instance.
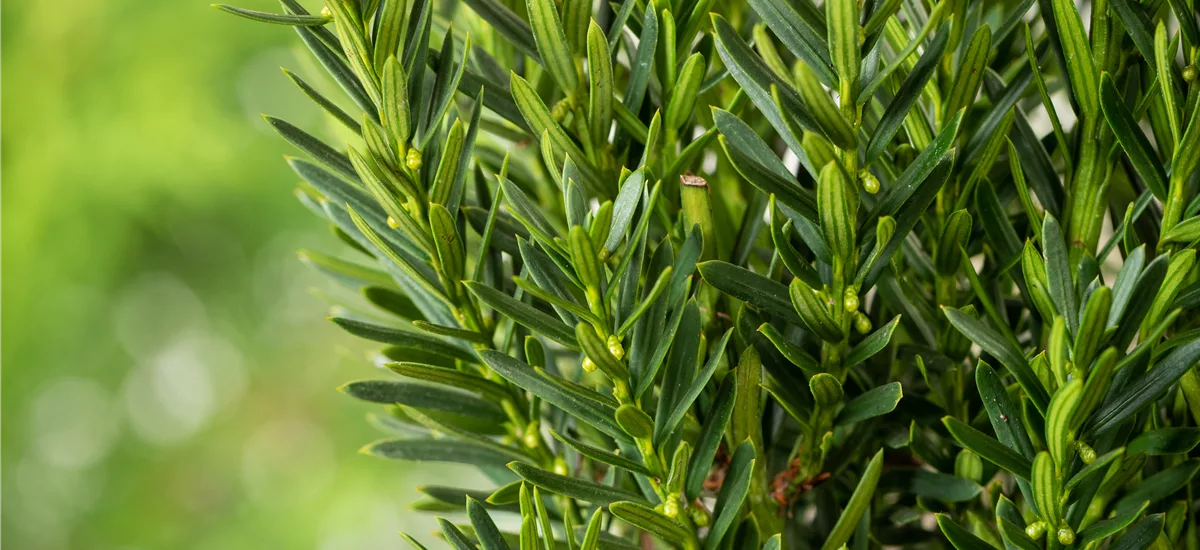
(168, 378)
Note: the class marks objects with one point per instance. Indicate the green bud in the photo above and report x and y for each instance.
(1066, 536)
(1189, 74)
(670, 508)
(885, 228)
(968, 465)
(559, 110)
(862, 323)
(832, 354)
(1036, 530)
(560, 466)
(588, 365)
(827, 391)
(597, 350)
(869, 182)
(615, 347)
(413, 159)
(531, 436)
(1086, 453)
(850, 300)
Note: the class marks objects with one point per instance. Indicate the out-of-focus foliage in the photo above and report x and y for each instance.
(151, 288)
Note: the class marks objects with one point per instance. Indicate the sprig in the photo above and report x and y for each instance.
(706, 275)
